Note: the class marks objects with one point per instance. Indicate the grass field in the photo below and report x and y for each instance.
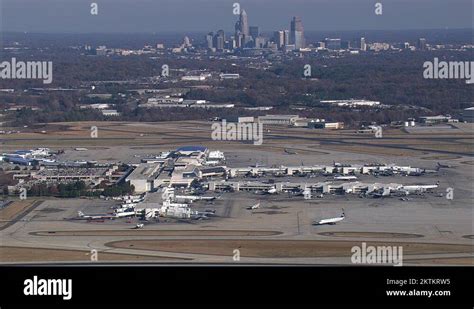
(280, 248)
(23, 254)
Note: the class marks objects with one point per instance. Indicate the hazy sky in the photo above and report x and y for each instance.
(206, 15)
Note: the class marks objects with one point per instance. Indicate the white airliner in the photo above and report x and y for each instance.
(139, 226)
(345, 177)
(94, 217)
(256, 206)
(272, 190)
(331, 220)
(126, 213)
(418, 188)
(192, 198)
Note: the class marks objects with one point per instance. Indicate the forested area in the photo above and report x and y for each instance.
(393, 78)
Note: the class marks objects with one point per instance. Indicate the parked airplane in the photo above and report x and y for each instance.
(272, 190)
(94, 217)
(378, 194)
(345, 177)
(139, 226)
(200, 216)
(126, 213)
(130, 198)
(418, 188)
(206, 214)
(296, 192)
(192, 198)
(411, 173)
(124, 207)
(256, 206)
(331, 220)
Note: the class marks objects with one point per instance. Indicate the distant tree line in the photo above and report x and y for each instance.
(78, 189)
(394, 79)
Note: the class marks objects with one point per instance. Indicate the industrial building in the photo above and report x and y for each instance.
(278, 119)
(110, 112)
(215, 157)
(468, 115)
(165, 100)
(229, 76)
(325, 125)
(429, 120)
(351, 103)
(194, 78)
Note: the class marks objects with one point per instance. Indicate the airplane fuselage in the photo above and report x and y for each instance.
(329, 221)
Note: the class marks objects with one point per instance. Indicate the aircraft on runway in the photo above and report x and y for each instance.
(290, 152)
(439, 166)
(139, 226)
(94, 217)
(331, 220)
(256, 206)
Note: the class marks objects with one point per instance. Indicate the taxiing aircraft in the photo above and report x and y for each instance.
(331, 220)
(439, 166)
(256, 206)
(290, 152)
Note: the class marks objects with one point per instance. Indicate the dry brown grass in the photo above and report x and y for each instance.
(280, 248)
(14, 209)
(22, 254)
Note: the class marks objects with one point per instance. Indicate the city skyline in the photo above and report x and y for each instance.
(246, 36)
(200, 16)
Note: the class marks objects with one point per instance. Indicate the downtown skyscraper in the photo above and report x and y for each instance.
(242, 30)
(297, 33)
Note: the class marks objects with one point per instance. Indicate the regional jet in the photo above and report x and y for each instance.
(439, 166)
(345, 177)
(256, 206)
(94, 217)
(272, 190)
(290, 152)
(331, 220)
